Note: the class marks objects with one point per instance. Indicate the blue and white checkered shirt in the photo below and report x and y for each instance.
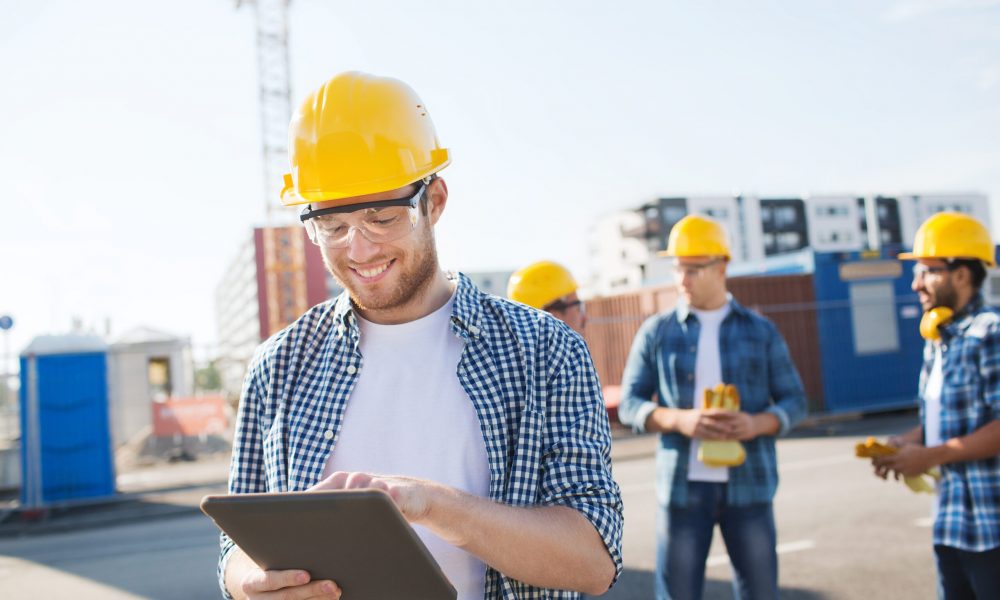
(968, 509)
(529, 376)
(754, 358)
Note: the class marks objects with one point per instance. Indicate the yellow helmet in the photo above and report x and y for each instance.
(359, 134)
(695, 235)
(952, 235)
(541, 283)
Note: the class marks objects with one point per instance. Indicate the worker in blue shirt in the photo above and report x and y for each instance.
(482, 418)
(707, 340)
(959, 392)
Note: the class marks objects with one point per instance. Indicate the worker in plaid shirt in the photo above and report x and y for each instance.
(959, 404)
(480, 417)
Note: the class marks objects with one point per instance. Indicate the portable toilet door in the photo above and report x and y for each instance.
(65, 436)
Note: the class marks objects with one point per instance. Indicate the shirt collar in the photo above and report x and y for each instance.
(684, 311)
(963, 318)
(466, 315)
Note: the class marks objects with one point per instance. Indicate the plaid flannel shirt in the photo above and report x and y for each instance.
(529, 376)
(968, 501)
(754, 358)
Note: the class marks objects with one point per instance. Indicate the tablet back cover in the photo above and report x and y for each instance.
(357, 538)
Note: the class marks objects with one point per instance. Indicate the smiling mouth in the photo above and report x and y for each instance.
(375, 271)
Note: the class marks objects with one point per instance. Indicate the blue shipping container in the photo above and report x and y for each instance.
(869, 338)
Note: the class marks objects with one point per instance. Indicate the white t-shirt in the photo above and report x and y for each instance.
(707, 374)
(932, 400)
(409, 415)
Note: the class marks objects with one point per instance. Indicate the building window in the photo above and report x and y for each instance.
(784, 225)
(831, 211)
(784, 216)
(158, 370)
(889, 223)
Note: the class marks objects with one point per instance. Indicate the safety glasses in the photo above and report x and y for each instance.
(693, 270)
(560, 306)
(921, 270)
(379, 222)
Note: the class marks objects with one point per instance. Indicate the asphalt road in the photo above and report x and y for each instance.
(842, 535)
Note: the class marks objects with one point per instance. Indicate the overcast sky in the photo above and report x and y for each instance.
(130, 164)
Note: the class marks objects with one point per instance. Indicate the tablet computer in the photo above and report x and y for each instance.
(357, 538)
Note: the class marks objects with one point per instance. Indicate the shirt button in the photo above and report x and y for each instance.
(351, 369)
(690, 376)
(694, 348)
(474, 330)
(328, 434)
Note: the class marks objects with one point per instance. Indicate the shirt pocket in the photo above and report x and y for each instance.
(961, 387)
(750, 364)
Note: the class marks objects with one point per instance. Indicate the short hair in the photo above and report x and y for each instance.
(423, 199)
(975, 267)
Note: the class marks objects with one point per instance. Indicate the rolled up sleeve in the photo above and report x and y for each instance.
(576, 463)
(639, 380)
(787, 392)
(246, 468)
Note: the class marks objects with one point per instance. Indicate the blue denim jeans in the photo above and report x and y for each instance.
(966, 575)
(684, 534)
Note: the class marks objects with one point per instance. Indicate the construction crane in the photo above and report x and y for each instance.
(284, 246)
(275, 92)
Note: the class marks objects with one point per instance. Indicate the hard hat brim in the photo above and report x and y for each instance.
(913, 256)
(666, 254)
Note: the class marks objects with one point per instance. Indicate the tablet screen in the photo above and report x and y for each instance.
(357, 538)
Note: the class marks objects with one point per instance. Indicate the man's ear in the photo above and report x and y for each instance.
(437, 198)
(962, 276)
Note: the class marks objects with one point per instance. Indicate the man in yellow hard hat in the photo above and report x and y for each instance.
(676, 360)
(549, 286)
(484, 423)
(959, 394)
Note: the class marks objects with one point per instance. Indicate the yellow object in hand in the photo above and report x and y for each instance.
(727, 453)
(923, 483)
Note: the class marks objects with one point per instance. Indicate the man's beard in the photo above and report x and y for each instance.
(411, 285)
(945, 296)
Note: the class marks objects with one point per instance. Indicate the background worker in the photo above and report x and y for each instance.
(959, 393)
(484, 423)
(708, 339)
(550, 287)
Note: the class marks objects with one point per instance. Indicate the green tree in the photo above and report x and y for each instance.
(207, 378)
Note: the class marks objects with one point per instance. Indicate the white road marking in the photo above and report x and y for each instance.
(787, 548)
(924, 522)
(797, 465)
(813, 463)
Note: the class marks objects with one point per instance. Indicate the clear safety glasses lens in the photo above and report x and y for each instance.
(378, 225)
(379, 222)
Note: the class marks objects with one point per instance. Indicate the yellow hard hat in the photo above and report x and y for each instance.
(359, 134)
(952, 235)
(695, 235)
(540, 284)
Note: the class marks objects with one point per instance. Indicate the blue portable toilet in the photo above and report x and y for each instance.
(65, 436)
